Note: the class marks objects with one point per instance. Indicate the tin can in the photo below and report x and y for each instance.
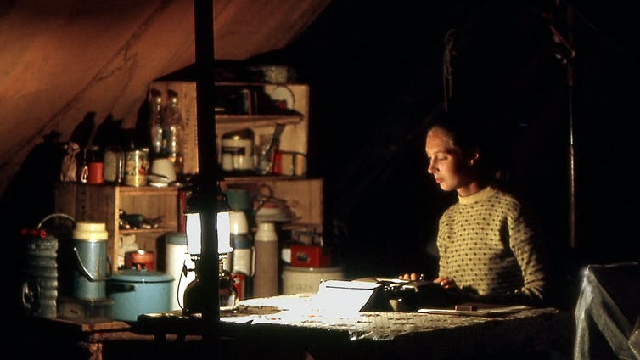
(137, 167)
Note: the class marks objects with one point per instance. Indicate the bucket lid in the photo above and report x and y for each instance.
(141, 276)
(91, 231)
(176, 238)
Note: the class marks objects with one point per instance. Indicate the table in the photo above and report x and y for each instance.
(291, 327)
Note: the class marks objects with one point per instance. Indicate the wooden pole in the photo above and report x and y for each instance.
(204, 48)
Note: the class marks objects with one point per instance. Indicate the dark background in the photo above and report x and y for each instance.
(376, 73)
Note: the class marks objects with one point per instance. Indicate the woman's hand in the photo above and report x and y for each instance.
(447, 283)
(411, 276)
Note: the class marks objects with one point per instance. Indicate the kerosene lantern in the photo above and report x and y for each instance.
(199, 206)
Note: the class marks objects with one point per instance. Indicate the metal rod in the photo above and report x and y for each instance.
(572, 169)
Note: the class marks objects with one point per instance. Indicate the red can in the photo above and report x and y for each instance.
(239, 283)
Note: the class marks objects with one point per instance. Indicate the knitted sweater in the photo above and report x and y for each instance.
(485, 244)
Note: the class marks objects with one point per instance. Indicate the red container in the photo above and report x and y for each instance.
(239, 283)
(310, 255)
(139, 259)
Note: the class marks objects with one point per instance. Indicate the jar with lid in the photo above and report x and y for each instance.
(237, 151)
(113, 165)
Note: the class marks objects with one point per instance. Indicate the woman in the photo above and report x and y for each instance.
(486, 246)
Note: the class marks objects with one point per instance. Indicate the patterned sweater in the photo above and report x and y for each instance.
(485, 244)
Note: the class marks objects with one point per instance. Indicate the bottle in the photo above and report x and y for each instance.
(265, 282)
(156, 122)
(243, 249)
(172, 130)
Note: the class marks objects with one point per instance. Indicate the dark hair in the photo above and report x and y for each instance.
(469, 133)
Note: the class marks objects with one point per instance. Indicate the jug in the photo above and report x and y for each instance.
(90, 250)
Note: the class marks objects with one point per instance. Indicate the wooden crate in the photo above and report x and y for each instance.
(304, 196)
(102, 203)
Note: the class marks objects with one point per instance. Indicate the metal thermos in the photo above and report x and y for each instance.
(266, 278)
(90, 252)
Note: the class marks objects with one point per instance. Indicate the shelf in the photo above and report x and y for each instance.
(147, 190)
(164, 229)
(103, 203)
(258, 178)
(262, 121)
(228, 120)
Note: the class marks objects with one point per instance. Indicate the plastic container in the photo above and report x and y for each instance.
(40, 286)
(306, 280)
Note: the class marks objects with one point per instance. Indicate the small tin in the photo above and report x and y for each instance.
(137, 167)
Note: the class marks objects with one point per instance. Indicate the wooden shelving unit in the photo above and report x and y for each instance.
(102, 203)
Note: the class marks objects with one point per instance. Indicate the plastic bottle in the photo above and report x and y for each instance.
(156, 121)
(266, 278)
(172, 132)
(243, 250)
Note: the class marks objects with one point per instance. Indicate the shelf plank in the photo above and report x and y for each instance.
(158, 230)
(230, 122)
(148, 190)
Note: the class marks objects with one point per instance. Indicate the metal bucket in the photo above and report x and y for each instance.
(90, 248)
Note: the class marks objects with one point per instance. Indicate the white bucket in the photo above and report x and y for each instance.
(306, 280)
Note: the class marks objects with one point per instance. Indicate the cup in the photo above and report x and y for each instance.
(95, 172)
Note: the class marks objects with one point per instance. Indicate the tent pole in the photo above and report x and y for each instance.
(204, 54)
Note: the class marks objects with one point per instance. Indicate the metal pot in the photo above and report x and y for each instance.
(136, 292)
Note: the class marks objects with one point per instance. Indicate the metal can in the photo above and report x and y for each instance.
(137, 167)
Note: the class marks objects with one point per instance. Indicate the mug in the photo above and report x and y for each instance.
(95, 172)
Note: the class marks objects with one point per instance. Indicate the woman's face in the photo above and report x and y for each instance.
(447, 163)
